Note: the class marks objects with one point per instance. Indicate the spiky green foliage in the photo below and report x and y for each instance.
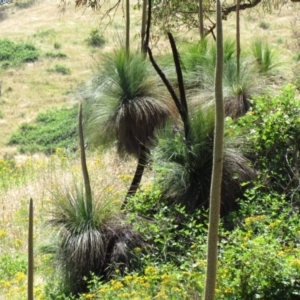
(123, 102)
(188, 165)
(237, 91)
(87, 241)
(266, 59)
(80, 247)
(199, 61)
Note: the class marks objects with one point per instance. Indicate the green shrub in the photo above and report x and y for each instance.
(170, 231)
(51, 130)
(11, 264)
(271, 140)
(45, 33)
(95, 39)
(12, 54)
(57, 45)
(55, 55)
(60, 69)
(24, 3)
(264, 25)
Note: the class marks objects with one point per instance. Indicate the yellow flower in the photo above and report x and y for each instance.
(137, 249)
(3, 233)
(275, 224)
(296, 263)
(161, 295)
(103, 290)
(116, 285)
(193, 246)
(6, 283)
(126, 177)
(88, 296)
(127, 279)
(150, 270)
(20, 276)
(280, 254)
(18, 243)
(228, 291)
(139, 280)
(254, 219)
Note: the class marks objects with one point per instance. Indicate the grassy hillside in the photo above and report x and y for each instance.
(264, 231)
(31, 88)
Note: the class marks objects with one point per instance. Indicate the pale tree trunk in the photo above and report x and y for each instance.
(127, 45)
(143, 29)
(86, 178)
(216, 183)
(201, 21)
(238, 40)
(30, 253)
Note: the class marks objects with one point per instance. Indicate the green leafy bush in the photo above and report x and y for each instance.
(12, 54)
(60, 69)
(55, 55)
(57, 45)
(10, 264)
(51, 130)
(271, 140)
(264, 25)
(24, 3)
(95, 39)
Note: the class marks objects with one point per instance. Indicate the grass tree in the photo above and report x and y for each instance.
(90, 236)
(187, 177)
(124, 104)
(186, 153)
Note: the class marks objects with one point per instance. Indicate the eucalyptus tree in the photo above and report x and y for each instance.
(175, 15)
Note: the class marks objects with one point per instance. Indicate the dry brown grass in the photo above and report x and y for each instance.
(110, 178)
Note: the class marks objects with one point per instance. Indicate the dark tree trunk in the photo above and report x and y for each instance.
(127, 42)
(135, 184)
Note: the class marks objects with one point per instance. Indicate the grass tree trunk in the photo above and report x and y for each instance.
(86, 178)
(215, 191)
(143, 160)
(201, 21)
(238, 40)
(127, 45)
(30, 253)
